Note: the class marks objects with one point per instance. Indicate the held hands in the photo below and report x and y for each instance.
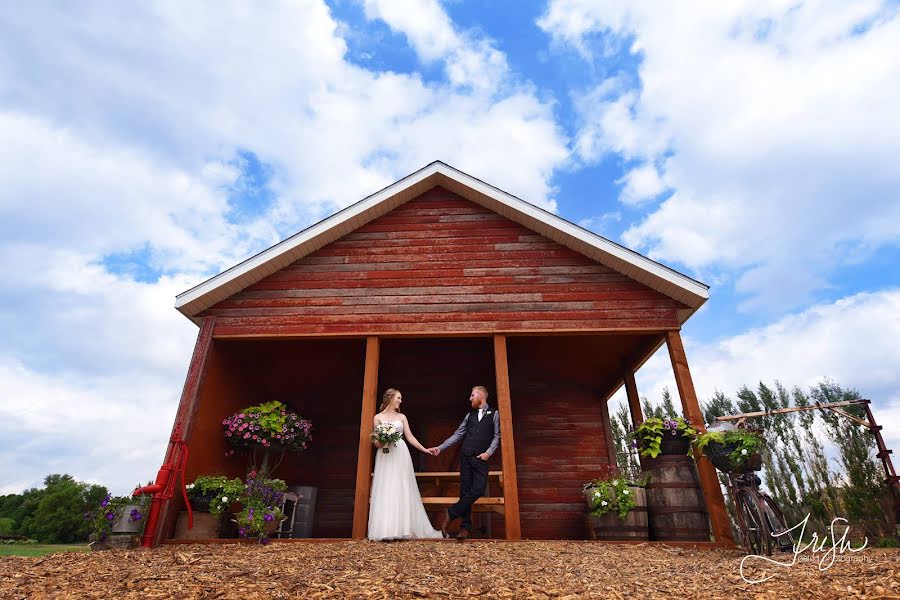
(433, 451)
(484, 456)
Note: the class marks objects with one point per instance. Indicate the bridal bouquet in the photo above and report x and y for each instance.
(387, 435)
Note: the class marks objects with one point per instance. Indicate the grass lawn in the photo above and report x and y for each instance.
(38, 549)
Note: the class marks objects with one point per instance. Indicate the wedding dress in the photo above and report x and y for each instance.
(395, 506)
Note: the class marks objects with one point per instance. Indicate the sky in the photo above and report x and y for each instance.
(146, 147)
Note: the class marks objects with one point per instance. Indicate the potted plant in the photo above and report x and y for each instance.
(733, 450)
(657, 436)
(617, 506)
(214, 493)
(262, 501)
(115, 515)
(268, 427)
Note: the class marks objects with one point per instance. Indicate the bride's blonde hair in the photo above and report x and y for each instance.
(387, 397)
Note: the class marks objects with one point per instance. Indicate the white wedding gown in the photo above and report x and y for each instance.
(395, 506)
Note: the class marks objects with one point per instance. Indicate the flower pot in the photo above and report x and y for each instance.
(201, 503)
(125, 524)
(718, 455)
(205, 526)
(610, 527)
(674, 444)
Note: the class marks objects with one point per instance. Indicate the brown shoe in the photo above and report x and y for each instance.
(462, 535)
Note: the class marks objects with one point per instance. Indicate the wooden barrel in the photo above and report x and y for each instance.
(675, 503)
(206, 527)
(305, 511)
(610, 527)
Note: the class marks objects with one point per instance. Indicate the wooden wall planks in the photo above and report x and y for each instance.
(440, 263)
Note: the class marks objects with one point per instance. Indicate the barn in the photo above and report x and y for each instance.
(436, 283)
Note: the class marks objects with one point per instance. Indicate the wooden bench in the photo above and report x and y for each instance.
(440, 479)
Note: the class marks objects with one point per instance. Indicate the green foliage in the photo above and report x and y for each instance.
(7, 525)
(110, 510)
(224, 491)
(627, 458)
(54, 514)
(888, 542)
(611, 493)
(649, 434)
(262, 500)
(745, 443)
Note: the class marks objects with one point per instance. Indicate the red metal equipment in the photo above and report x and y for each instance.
(163, 489)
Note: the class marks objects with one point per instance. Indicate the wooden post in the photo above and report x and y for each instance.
(634, 402)
(364, 460)
(507, 442)
(709, 481)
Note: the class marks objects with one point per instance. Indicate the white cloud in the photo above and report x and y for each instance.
(852, 341)
(775, 124)
(641, 184)
(120, 134)
(469, 60)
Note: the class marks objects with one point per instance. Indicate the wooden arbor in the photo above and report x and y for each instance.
(547, 312)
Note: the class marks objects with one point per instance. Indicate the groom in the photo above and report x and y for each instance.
(480, 435)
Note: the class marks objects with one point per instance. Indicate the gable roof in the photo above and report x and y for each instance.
(632, 264)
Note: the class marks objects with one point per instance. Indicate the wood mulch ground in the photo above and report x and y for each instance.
(358, 569)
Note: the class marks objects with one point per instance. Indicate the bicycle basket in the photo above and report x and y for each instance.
(719, 456)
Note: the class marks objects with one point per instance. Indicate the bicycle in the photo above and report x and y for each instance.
(762, 524)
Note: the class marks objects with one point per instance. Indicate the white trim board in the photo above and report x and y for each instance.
(640, 268)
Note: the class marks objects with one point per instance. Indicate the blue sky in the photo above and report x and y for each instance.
(751, 145)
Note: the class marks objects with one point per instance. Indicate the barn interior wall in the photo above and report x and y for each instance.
(320, 379)
(559, 428)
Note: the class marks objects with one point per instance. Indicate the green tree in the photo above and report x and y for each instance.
(864, 480)
(56, 513)
(6, 526)
(626, 456)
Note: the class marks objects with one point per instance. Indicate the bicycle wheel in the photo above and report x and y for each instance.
(777, 525)
(755, 535)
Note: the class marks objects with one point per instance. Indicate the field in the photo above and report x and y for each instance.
(38, 549)
(439, 570)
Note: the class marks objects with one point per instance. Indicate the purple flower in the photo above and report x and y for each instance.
(105, 501)
(268, 517)
(136, 514)
(110, 516)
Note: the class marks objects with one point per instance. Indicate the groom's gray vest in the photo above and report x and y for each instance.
(479, 434)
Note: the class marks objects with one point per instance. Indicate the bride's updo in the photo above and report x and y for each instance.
(387, 397)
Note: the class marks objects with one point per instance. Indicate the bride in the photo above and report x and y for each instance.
(395, 506)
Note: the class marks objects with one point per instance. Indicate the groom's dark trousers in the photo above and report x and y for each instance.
(473, 473)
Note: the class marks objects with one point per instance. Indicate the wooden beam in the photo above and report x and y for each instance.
(187, 408)
(634, 401)
(709, 481)
(364, 460)
(507, 442)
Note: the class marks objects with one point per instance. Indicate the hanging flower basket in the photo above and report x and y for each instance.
(733, 451)
(269, 427)
(656, 436)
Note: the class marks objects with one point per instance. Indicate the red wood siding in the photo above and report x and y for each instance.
(559, 426)
(440, 263)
